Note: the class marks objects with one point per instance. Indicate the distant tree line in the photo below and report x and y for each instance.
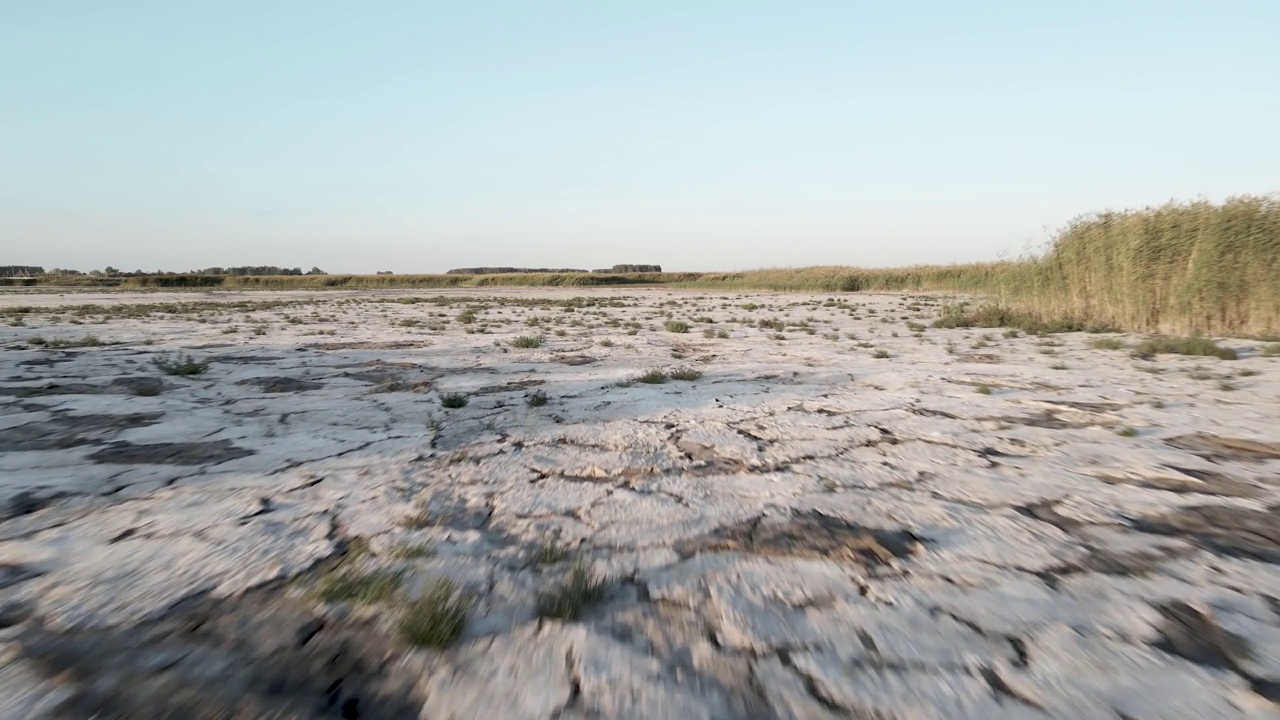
(108, 271)
(510, 270)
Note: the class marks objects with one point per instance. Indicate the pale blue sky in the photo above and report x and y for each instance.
(419, 136)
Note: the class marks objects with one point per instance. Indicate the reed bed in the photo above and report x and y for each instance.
(1185, 268)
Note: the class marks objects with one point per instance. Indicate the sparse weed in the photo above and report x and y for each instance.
(676, 326)
(527, 341)
(537, 398)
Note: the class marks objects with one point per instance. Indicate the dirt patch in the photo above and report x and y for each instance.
(281, 384)
(1216, 448)
(258, 656)
(68, 431)
(574, 359)
(809, 535)
(193, 453)
(1233, 531)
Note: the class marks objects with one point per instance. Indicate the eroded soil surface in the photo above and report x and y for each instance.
(803, 507)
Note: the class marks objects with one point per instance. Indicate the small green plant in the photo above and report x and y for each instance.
(527, 341)
(180, 365)
(605, 343)
(722, 334)
(983, 389)
(37, 341)
(1226, 386)
(685, 373)
(1247, 373)
(1107, 343)
(466, 317)
(676, 326)
(1058, 366)
(437, 618)
(1271, 350)
(1127, 432)
(568, 601)
(454, 400)
(537, 398)
(1196, 346)
(881, 354)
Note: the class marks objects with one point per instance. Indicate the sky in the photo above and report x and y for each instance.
(699, 135)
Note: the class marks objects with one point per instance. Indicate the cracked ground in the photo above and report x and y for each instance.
(804, 506)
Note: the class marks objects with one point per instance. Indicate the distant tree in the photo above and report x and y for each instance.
(316, 271)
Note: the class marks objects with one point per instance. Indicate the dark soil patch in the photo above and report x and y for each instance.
(281, 384)
(262, 655)
(1233, 531)
(68, 431)
(119, 386)
(980, 358)
(809, 535)
(193, 453)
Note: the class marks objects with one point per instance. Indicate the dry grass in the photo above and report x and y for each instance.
(1191, 268)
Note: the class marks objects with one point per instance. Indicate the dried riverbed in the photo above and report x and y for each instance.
(804, 506)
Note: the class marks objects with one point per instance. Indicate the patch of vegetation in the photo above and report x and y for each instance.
(180, 365)
(454, 400)
(578, 593)
(437, 618)
(983, 389)
(537, 398)
(1107, 343)
(527, 341)
(1196, 346)
(653, 376)
(1271, 350)
(676, 326)
(881, 354)
(685, 373)
(1127, 432)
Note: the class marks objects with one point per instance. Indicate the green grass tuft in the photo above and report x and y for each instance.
(578, 593)
(437, 618)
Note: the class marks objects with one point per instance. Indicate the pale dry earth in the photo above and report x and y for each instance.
(846, 517)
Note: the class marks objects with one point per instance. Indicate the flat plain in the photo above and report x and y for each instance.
(633, 503)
